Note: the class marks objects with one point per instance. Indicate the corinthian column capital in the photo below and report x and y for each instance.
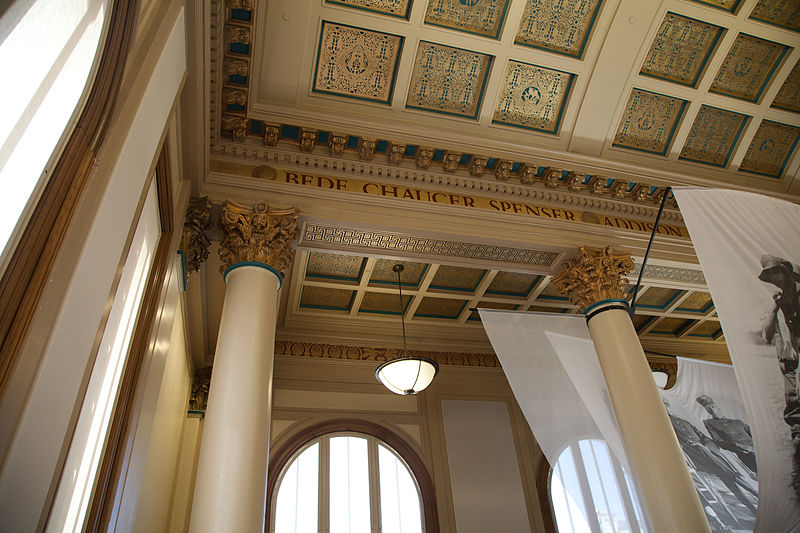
(594, 275)
(194, 242)
(257, 234)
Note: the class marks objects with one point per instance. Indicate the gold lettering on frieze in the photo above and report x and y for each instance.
(257, 234)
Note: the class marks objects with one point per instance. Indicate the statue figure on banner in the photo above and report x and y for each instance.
(728, 496)
(730, 434)
(782, 328)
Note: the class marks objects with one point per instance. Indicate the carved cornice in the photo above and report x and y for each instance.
(194, 242)
(257, 234)
(594, 275)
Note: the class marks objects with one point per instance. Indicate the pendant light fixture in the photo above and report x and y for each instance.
(406, 375)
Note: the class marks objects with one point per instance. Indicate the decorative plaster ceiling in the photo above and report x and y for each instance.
(621, 81)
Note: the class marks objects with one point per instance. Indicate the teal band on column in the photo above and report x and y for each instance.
(616, 302)
(254, 264)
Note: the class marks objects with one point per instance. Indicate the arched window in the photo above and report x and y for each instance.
(590, 492)
(348, 482)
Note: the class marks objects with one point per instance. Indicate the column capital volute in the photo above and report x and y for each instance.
(257, 234)
(194, 241)
(594, 275)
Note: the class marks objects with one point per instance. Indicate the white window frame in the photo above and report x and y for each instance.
(323, 486)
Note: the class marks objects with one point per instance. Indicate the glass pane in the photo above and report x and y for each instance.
(565, 491)
(349, 512)
(400, 505)
(603, 484)
(296, 508)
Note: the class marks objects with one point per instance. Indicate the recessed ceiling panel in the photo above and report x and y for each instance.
(532, 97)
(748, 67)
(649, 122)
(481, 17)
(411, 276)
(513, 284)
(334, 266)
(356, 63)
(788, 97)
(549, 293)
(713, 136)
(783, 13)
(394, 8)
(492, 305)
(697, 302)
(562, 27)
(326, 298)
(671, 326)
(709, 330)
(727, 5)
(770, 149)
(452, 278)
(657, 298)
(383, 303)
(681, 49)
(448, 80)
(440, 308)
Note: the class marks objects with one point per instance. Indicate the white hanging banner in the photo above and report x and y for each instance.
(749, 249)
(707, 413)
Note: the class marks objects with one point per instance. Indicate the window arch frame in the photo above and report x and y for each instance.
(306, 437)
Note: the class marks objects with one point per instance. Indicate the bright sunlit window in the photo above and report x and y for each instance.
(347, 483)
(590, 492)
(48, 58)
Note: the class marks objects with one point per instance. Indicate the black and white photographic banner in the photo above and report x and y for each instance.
(707, 413)
(749, 248)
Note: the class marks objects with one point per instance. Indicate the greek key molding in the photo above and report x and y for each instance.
(669, 273)
(389, 241)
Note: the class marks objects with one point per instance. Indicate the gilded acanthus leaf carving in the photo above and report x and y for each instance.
(594, 275)
(194, 242)
(257, 234)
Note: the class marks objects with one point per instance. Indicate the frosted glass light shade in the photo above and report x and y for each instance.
(661, 378)
(407, 375)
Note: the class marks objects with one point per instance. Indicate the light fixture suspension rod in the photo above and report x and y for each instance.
(399, 268)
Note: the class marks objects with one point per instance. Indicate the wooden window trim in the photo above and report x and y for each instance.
(280, 458)
(29, 266)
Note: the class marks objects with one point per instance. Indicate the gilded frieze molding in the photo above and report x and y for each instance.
(366, 151)
(271, 135)
(594, 275)
(362, 353)
(336, 143)
(257, 234)
(424, 157)
(502, 170)
(608, 201)
(194, 242)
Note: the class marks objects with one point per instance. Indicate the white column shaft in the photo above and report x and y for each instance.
(660, 469)
(230, 488)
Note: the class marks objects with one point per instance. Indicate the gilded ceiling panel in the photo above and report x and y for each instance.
(727, 5)
(713, 136)
(335, 266)
(356, 63)
(788, 97)
(550, 293)
(411, 275)
(770, 149)
(492, 305)
(440, 308)
(681, 49)
(532, 97)
(448, 80)
(671, 326)
(394, 8)
(748, 67)
(783, 13)
(481, 17)
(562, 27)
(640, 321)
(513, 284)
(710, 329)
(657, 298)
(325, 298)
(451, 278)
(383, 303)
(649, 122)
(697, 302)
